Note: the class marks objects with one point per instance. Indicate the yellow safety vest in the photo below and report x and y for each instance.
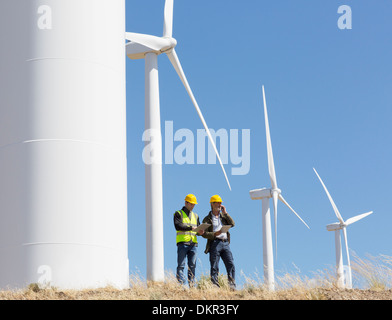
(187, 236)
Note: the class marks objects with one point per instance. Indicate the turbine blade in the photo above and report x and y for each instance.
(330, 199)
(285, 202)
(275, 203)
(358, 217)
(177, 66)
(271, 165)
(153, 42)
(168, 19)
(346, 243)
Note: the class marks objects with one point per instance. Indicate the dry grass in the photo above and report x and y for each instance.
(374, 274)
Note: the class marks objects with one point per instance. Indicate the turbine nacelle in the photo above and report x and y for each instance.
(141, 44)
(335, 226)
(259, 194)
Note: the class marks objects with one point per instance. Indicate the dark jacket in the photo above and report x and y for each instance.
(183, 227)
(209, 234)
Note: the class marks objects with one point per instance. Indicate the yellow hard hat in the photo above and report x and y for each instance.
(191, 199)
(215, 198)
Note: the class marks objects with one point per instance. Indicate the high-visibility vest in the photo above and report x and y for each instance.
(191, 220)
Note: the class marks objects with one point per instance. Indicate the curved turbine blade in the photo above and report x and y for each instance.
(285, 202)
(275, 203)
(153, 42)
(348, 275)
(168, 19)
(271, 165)
(330, 199)
(177, 66)
(358, 217)
(346, 243)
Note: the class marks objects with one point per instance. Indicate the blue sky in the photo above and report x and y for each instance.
(329, 98)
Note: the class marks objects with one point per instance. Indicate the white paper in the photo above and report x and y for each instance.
(226, 228)
(203, 226)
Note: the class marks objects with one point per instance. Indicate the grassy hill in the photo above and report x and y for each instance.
(373, 275)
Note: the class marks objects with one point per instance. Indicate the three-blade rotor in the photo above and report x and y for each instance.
(275, 191)
(143, 44)
(343, 224)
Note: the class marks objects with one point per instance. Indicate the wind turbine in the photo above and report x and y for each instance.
(63, 164)
(337, 227)
(265, 194)
(148, 47)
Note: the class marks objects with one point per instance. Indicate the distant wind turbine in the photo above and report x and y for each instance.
(265, 194)
(148, 47)
(337, 226)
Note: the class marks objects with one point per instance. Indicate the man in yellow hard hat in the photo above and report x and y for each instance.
(185, 220)
(218, 244)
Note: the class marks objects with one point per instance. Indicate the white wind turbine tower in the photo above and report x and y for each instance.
(337, 227)
(265, 194)
(63, 164)
(148, 47)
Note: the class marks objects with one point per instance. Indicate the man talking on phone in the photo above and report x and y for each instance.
(218, 241)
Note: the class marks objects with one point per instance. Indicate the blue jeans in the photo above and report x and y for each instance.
(220, 249)
(183, 252)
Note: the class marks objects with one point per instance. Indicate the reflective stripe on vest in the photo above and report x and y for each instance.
(187, 236)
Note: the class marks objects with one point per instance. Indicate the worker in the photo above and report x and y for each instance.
(185, 220)
(218, 244)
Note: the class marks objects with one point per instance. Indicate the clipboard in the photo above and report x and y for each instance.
(225, 228)
(203, 226)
